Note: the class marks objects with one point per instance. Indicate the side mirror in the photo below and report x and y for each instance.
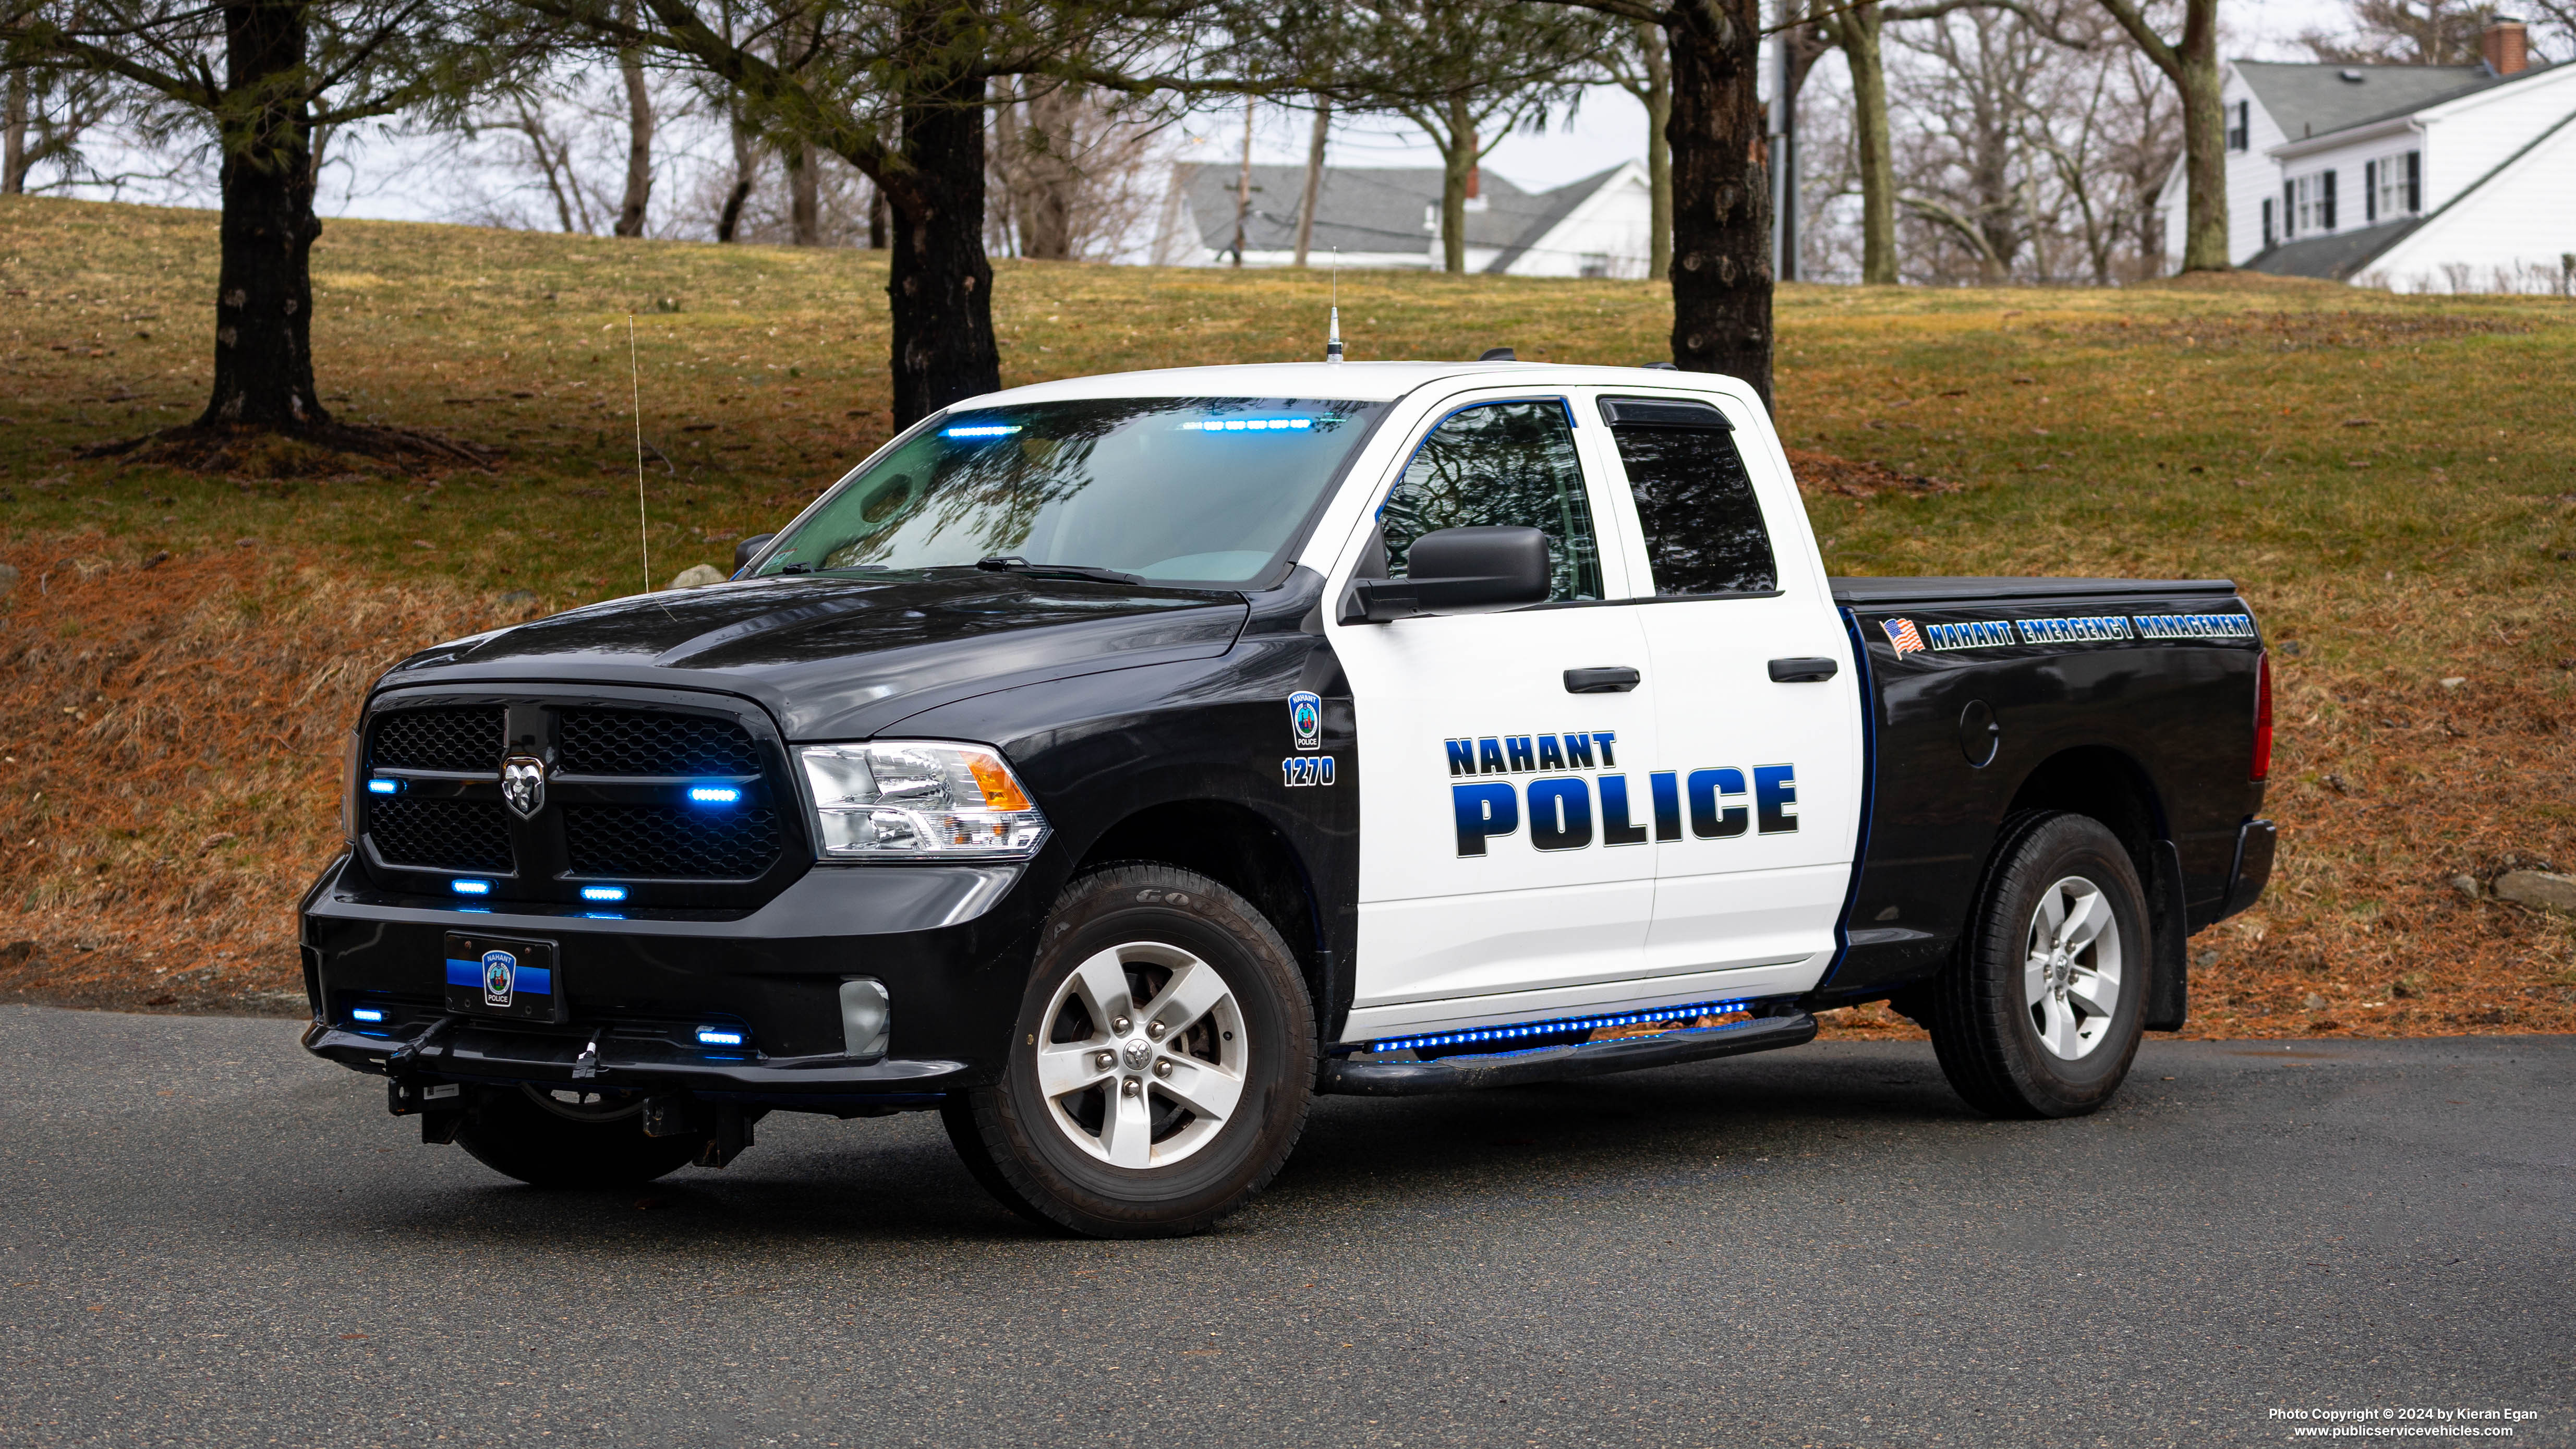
(1456, 571)
(744, 551)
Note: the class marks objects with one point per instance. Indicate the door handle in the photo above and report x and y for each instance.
(1618, 679)
(1802, 671)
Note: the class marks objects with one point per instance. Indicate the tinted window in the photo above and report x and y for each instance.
(1192, 490)
(1704, 531)
(1507, 464)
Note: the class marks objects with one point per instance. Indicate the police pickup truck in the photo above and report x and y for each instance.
(1113, 764)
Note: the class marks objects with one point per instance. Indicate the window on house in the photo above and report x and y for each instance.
(2269, 223)
(2311, 203)
(2394, 184)
(2240, 125)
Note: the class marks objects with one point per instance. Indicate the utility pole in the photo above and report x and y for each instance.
(1784, 160)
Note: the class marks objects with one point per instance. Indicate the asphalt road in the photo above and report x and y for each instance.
(210, 1239)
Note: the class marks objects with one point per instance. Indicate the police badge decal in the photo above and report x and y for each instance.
(500, 977)
(523, 784)
(1306, 720)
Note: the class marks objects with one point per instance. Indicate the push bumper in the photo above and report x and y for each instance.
(950, 945)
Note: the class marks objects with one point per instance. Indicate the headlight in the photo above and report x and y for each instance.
(919, 800)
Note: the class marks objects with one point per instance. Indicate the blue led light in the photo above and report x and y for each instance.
(603, 915)
(603, 893)
(721, 1036)
(366, 1013)
(470, 887)
(1247, 425)
(714, 794)
(1549, 1028)
(981, 430)
(384, 787)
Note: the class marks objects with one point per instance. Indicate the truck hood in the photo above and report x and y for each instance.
(840, 658)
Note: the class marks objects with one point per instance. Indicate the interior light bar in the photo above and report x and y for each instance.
(981, 430)
(384, 787)
(714, 794)
(470, 887)
(1551, 1028)
(722, 1036)
(603, 893)
(1247, 425)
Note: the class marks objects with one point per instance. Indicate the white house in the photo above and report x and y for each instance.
(2417, 177)
(1390, 217)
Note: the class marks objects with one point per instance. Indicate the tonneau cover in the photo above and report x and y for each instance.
(1919, 590)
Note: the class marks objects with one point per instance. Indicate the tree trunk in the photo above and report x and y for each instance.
(746, 162)
(264, 284)
(1659, 150)
(639, 135)
(939, 283)
(1053, 182)
(1457, 159)
(2204, 142)
(876, 217)
(1314, 177)
(1721, 193)
(1859, 31)
(13, 137)
(1243, 186)
(804, 196)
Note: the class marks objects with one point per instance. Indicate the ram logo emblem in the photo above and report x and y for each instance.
(523, 784)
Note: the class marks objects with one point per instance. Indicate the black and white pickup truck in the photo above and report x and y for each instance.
(1113, 764)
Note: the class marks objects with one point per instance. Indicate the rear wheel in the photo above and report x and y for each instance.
(1160, 1068)
(2039, 1015)
(565, 1138)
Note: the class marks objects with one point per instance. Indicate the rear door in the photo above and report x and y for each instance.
(1756, 781)
(1500, 848)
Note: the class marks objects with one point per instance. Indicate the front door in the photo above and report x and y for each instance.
(1503, 847)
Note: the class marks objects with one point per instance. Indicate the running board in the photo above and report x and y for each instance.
(1365, 1078)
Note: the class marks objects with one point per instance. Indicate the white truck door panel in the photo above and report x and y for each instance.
(1758, 781)
(1501, 843)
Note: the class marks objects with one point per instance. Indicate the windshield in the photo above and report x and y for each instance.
(1180, 490)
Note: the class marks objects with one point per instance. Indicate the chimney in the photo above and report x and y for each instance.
(2506, 45)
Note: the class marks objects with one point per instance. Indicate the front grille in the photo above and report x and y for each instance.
(641, 742)
(669, 842)
(438, 739)
(440, 834)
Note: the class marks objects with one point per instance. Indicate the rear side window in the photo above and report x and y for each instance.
(1508, 464)
(1704, 530)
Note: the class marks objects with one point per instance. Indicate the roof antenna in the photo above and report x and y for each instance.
(635, 378)
(1333, 339)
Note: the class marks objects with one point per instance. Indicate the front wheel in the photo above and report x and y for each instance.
(2039, 1014)
(1161, 1065)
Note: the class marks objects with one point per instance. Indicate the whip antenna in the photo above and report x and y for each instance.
(1333, 337)
(635, 378)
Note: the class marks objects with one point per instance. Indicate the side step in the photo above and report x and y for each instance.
(1365, 1078)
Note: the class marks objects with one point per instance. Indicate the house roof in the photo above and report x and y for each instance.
(2308, 99)
(2334, 258)
(1373, 209)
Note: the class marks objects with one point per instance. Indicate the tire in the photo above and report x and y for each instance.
(1159, 1126)
(558, 1144)
(2039, 1013)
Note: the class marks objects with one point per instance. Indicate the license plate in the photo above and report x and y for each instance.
(504, 976)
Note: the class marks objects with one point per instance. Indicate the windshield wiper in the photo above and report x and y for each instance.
(1002, 563)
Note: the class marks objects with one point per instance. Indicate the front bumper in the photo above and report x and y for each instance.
(950, 944)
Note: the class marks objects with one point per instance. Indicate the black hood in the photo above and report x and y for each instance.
(843, 658)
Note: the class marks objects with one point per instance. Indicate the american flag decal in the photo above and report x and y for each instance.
(1903, 634)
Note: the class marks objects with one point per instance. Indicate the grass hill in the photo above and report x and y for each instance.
(2392, 480)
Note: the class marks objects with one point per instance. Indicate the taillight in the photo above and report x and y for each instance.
(2262, 718)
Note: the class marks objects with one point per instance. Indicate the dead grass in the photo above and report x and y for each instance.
(2392, 480)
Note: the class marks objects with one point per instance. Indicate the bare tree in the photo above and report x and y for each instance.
(639, 133)
(1068, 167)
(1314, 192)
(2405, 32)
(1642, 66)
(2190, 62)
